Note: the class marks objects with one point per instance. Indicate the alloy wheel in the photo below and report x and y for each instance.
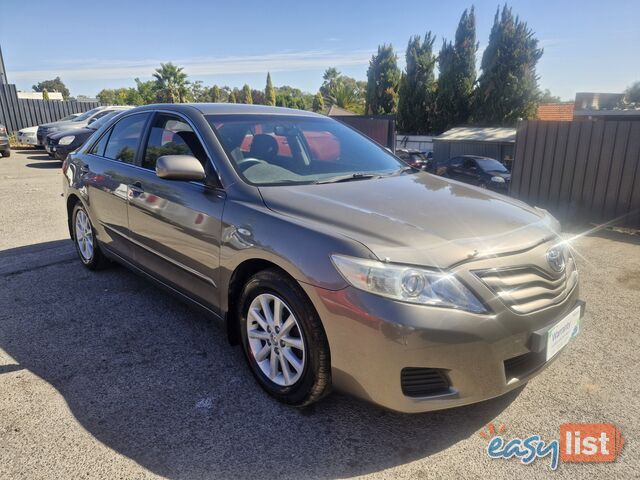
(275, 340)
(84, 236)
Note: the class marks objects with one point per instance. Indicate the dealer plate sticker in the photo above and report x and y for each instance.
(563, 331)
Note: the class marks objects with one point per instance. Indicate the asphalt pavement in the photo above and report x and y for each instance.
(102, 375)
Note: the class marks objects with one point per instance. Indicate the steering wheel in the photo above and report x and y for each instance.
(249, 162)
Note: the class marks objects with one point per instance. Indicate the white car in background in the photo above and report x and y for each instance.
(27, 136)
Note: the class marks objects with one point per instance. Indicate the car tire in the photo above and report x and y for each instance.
(6, 153)
(84, 238)
(303, 349)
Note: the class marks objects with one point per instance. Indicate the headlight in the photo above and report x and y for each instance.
(66, 140)
(497, 179)
(407, 284)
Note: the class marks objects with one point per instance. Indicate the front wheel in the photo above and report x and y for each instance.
(5, 153)
(283, 339)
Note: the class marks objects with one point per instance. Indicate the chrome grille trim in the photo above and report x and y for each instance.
(528, 288)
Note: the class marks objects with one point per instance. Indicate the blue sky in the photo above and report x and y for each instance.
(589, 45)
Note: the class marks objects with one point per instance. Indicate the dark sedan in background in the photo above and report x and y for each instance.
(481, 171)
(60, 144)
(415, 158)
(5, 149)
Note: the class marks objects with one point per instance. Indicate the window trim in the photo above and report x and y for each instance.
(147, 136)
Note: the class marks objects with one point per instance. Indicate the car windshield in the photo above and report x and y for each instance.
(491, 165)
(85, 115)
(102, 120)
(280, 149)
(69, 117)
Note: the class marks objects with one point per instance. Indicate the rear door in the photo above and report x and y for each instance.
(176, 225)
(454, 169)
(108, 170)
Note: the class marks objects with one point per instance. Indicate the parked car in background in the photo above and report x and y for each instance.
(80, 121)
(5, 148)
(28, 136)
(59, 144)
(481, 171)
(415, 158)
(303, 237)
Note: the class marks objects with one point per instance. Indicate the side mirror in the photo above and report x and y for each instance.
(179, 167)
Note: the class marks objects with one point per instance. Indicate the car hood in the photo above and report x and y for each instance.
(417, 219)
(28, 130)
(67, 125)
(77, 132)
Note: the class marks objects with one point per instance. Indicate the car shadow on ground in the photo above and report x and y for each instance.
(157, 382)
(50, 164)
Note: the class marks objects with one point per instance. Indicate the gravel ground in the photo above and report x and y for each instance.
(104, 376)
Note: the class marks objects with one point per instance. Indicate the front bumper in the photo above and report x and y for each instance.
(27, 138)
(372, 339)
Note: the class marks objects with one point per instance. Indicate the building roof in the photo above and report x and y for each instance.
(335, 111)
(479, 134)
(555, 111)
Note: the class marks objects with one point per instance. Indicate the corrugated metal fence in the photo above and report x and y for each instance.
(581, 171)
(17, 113)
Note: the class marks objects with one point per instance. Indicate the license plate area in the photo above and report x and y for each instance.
(562, 332)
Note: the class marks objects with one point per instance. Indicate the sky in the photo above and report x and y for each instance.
(588, 45)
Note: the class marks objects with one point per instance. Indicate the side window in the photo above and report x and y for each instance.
(98, 147)
(101, 114)
(125, 136)
(171, 135)
(456, 162)
(469, 164)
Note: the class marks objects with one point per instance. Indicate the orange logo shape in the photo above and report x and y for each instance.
(491, 430)
(590, 442)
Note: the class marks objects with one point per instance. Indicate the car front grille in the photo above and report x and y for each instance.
(422, 382)
(529, 288)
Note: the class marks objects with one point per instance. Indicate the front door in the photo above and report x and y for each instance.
(175, 225)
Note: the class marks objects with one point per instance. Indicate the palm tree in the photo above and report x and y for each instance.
(171, 83)
(345, 96)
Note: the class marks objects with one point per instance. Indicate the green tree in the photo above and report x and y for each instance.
(383, 78)
(457, 66)
(632, 94)
(172, 83)
(246, 94)
(258, 97)
(232, 97)
(45, 94)
(269, 92)
(417, 87)
(318, 102)
(547, 97)
(215, 94)
(198, 92)
(345, 95)
(330, 76)
(55, 85)
(147, 91)
(508, 86)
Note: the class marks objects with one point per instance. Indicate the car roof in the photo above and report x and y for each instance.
(474, 157)
(231, 109)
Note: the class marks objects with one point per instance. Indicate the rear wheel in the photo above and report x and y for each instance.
(5, 153)
(283, 339)
(85, 240)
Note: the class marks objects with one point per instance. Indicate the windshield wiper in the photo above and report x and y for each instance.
(347, 178)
